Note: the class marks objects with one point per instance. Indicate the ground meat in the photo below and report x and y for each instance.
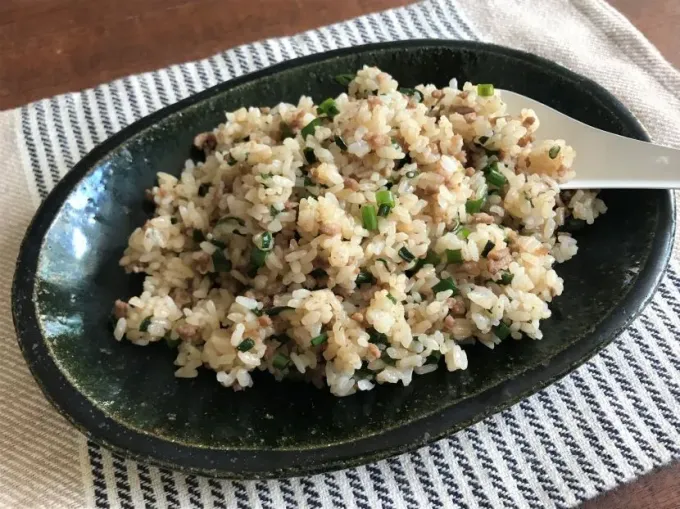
(377, 140)
(463, 110)
(457, 306)
(471, 268)
(188, 332)
(470, 117)
(464, 95)
(373, 352)
(524, 140)
(481, 218)
(265, 110)
(264, 321)
(203, 261)
(374, 101)
(469, 171)
(498, 259)
(352, 184)
(437, 94)
(205, 141)
(449, 322)
(297, 121)
(120, 309)
(357, 317)
(181, 297)
(528, 121)
(329, 229)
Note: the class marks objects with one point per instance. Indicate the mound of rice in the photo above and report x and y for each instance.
(358, 241)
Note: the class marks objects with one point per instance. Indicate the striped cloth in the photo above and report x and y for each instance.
(610, 421)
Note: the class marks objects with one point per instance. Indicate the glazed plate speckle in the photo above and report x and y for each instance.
(126, 397)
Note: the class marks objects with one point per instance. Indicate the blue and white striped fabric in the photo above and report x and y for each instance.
(610, 421)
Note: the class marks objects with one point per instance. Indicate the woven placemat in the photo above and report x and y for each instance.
(613, 419)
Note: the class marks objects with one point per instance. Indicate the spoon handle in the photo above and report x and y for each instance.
(603, 160)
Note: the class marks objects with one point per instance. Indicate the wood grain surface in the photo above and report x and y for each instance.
(53, 46)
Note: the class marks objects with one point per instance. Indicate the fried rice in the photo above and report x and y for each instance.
(358, 241)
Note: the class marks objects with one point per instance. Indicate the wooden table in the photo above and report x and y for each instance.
(53, 46)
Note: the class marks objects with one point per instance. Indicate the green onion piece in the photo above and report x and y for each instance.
(281, 338)
(404, 161)
(388, 360)
(411, 174)
(307, 182)
(344, 79)
(444, 285)
(370, 217)
(364, 276)
(228, 219)
(318, 272)
(197, 236)
(432, 258)
(280, 361)
(245, 345)
(420, 263)
(463, 233)
(413, 92)
(286, 131)
(257, 257)
(328, 108)
(266, 241)
(310, 156)
(384, 210)
(434, 357)
(501, 330)
(273, 211)
(482, 140)
(309, 129)
(174, 220)
(487, 248)
(454, 256)
(376, 337)
(485, 89)
(554, 150)
(474, 206)
(172, 343)
(144, 326)
(340, 143)
(319, 340)
(204, 188)
(384, 197)
(496, 178)
(218, 243)
(384, 262)
(257, 312)
(406, 255)
(231, 160)
(506, 278)
(277, 310)
(220, 262)
(392, 298)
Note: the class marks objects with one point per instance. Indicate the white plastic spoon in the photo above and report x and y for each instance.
(603, 160)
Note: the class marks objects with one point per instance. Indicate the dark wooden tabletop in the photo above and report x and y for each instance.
(53, 46)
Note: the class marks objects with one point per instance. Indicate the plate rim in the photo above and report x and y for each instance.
(136, 444)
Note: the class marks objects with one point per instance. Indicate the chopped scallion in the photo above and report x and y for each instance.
(309, 129)
(411, 174)
(385, 197)
(384, 210)
(506, 278)
(487, 248)
(463, 232)
(417, 94)
(257, 257)
(318, 273)
(496, 178)
(370, 217)
(485, 89)
(432, 258)
(245, 345)
(277, 310)
(434, 357)
(280, 361)
(554, 151)
(344, 79)
(310, 156)
(220, 262)
(340, 143)
(482, 140)
(392, 298)
(474, 206)
(406, 255)
(197, 236)
(328, 108)
(376, 337)
(228, 219)
(444, 285)
(172, 343)
(364, 276)
(204, 188)
(454, 256)
(265, 241)
(502, 330)
(384, 262)
(319, 340)
(218, 243)
(231, 160)
(144, 326)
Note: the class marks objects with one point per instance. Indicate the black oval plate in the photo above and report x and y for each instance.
(126, 397)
